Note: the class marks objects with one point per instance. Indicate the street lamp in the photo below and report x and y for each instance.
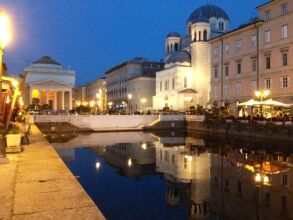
(261, 95)
(5, 36)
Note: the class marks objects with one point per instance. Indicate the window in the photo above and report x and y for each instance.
(176, 47)
(284, 31)
(253, 85)
(216, 72)
(284, 8)
(267, 15)
(268, 83)
(226, 90)
(239, 67)
(253, 41)
(227, 70)
(268, 36)
(185, 82)
(166, 84)
(285, 180)
(238, 45)
(254, 64)
(285, 59)
(216, 51)
(284, 82)
(238, 87)
(268, 197)
(239, 187)
(205, 35)
(161, 85)
(173, 83)
(268, 62)
(284, 203)
(226, 48)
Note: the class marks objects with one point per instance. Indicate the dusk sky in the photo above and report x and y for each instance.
(91, 36)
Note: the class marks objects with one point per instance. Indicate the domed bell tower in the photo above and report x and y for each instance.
(173, 44)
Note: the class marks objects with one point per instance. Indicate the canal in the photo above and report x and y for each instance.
(171, 175)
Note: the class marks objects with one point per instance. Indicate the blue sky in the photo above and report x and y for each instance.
(91, 36)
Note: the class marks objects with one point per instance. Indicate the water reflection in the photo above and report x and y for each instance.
(203, 177)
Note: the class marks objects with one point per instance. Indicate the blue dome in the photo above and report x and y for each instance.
(180, 56)
(173, 34)
(204, 13)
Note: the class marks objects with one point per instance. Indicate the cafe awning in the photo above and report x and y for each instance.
(250, 102)
(272, 102)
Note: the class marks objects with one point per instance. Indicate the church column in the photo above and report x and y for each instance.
(62, 100)
(47, 97)
(55, 100)
(70, 100)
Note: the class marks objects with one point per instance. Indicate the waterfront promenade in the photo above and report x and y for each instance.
(36, 184)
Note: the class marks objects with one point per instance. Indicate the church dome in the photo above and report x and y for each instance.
(204, 13)
(46, 60)
(173, 34)
(179, 57)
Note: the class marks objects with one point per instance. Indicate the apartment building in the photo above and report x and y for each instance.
(255, 56)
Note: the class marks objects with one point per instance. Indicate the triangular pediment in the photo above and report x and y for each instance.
(50, 82)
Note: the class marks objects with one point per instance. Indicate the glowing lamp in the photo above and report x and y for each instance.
(5, 33)
(257, 178)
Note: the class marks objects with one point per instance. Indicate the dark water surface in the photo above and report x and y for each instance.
(134, 175)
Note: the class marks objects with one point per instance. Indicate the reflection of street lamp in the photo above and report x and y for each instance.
(261, 95)
(260, 180)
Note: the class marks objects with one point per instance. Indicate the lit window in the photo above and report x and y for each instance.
(268, 83)
(268, 36)
(267, 15)
(253, 41)
(285, 59)
(284, 31)
(284, 8)
(284, 82)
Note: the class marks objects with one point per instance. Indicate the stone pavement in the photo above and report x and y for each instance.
(36, 184)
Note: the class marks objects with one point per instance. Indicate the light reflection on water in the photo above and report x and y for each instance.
(136, 175)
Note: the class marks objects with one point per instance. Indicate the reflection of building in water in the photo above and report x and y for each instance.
(237, 193)
(187, 173)
(132, 159)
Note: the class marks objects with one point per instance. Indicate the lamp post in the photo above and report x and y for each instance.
(129, 96)
(4, 40)
(261, 94)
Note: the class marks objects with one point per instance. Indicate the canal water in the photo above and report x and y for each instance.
(170, 175)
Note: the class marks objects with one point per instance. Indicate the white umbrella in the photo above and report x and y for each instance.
(250, 102)
(272, 102)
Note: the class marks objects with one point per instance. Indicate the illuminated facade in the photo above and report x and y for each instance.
(92, 94)
(185, 80)
(46, 82)
(255, 56)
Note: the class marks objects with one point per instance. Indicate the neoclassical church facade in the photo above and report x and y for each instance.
(46, 82)
(185, 81)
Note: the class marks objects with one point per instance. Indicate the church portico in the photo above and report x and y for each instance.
(47, 83)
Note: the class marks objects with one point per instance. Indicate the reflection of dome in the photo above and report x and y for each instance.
(204, 13)
(46, 60)
(173, 34)
(180, 57)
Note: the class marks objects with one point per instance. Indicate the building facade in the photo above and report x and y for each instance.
(185, 80)
(117, 77)
(92, 94)
(255, 57)
(140, 91)
(46, 82)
